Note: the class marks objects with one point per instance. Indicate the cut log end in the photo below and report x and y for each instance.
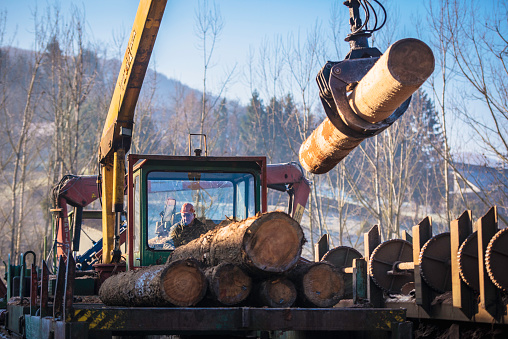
(229, 284)
(323, 285)
(410, 61)
(183, 283)
(280, 293)
(400, 71)
(273, 243)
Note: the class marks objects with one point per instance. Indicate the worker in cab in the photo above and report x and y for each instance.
(189, 227)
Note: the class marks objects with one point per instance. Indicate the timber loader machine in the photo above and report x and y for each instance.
(362, 95)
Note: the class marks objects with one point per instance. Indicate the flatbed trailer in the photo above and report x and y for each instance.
(67, 314)
(93, 321)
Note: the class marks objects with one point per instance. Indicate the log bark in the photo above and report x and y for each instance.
(318, 284)
(270, 242)
(181, 283)
(228, 284)
(276, 292)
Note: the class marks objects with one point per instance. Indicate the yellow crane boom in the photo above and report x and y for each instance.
(117, 132)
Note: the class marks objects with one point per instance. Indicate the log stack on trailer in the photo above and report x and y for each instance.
(263, 251)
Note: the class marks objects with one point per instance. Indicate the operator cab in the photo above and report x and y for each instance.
(219, 189)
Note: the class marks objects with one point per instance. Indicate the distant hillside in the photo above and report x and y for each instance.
(162, 100)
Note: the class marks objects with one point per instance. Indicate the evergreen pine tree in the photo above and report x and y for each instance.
(253, 127)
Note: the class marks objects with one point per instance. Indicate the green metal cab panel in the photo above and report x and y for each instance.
(243, 178)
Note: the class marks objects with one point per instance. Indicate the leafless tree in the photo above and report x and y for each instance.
(478, 38)
(439, 83)
(390, 172)
(266, 81)
(17, 121)
(469, 40)
(304, 56)
(148, 136)
(69, 73)
(341, 193)
(208, 28)
(337, 18)
(184, 118)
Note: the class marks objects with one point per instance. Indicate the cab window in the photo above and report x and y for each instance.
(213, 197)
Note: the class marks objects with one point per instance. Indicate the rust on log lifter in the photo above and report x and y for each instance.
(398, 73)
(270, 242)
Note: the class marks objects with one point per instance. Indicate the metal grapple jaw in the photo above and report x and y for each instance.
(335, 79)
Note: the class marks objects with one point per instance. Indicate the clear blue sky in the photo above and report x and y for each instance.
(176, 53)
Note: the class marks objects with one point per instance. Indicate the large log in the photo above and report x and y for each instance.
(277, 292)
(228, 284)
(181, 283)
(318, 284)
(270, 242)
(398, 73)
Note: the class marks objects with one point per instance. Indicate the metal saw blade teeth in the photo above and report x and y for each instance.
(420, 261)
(369, 269)
(460, 253)
(373, 255)
(425, 248)
(488, 261)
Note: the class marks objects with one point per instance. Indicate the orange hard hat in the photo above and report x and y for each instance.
(187, 208)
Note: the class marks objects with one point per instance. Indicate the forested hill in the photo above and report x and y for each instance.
(70, 98)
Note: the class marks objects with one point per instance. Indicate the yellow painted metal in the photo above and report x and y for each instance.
(99, 317)
(299, 213)
(130, 79)
(108, 217)
(121, 112)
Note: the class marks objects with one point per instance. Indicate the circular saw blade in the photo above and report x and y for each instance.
(342, 257)
(382, 259)
(435, 263)
(468, 261)
(496, 259)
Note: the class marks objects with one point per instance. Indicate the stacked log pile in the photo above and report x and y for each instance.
(253, 262)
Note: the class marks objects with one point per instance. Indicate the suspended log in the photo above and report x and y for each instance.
(228, 284)
(276, 292)
(270, 242)
(398, 73)
(181, 283)
(318, 284)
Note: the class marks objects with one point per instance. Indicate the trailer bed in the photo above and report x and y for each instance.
(91, 320)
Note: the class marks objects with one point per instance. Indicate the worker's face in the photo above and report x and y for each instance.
(187, 218)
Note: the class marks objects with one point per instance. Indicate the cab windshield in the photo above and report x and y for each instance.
(213, 197)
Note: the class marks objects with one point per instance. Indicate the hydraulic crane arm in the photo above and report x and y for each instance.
(77, 191)
(118, 126)
(289, 178)
(117, 132)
